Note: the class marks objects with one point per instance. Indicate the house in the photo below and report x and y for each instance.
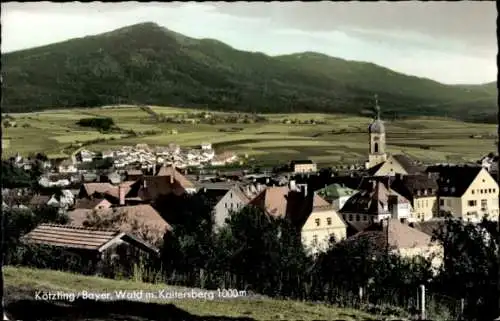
(396, 164)
(134, 174)
(92, 204)
(223, 159)
(321, 225)
(390, 235)
(466, 192)
(236, 198)
(303, 166)
(67, 166)
(108, 154)
(206, 146)
(49, 182)
(114, 178)
(89, 189)
(490, 162)
(64, 200)
(375, 202)
(39, 200)
(85, 156)
(89, 243)
(421, 191)
(168, 180)
(336, 194)
(89, 177)
(125, 218)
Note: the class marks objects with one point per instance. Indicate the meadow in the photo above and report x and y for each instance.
(22, 284)
(338, 139)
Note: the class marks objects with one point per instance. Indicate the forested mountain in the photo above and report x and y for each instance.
(149, 64)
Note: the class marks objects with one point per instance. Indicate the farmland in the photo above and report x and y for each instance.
(333, 139)
(23, 283)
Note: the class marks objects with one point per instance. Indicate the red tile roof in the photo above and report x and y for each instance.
(70, 236)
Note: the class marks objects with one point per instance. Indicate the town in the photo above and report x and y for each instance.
(233, 161)
(395, 202)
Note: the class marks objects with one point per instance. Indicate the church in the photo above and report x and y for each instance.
(379, 162)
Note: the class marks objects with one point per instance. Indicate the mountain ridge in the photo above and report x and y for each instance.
(155, 65)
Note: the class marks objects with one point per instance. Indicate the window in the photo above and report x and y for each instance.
(329, 220)
(365, 218)
(481, 191)
(317, 221)
(375, 148)
(472, 192)
(472, 203)
(441, 202)
(350, 217)
(225, 205)
(489, 190)
(357, 218)
(315, 239)
(484, 203)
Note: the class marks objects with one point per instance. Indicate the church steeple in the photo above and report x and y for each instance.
(377, 108)
(376, 131)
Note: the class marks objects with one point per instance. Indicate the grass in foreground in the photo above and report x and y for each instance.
(21, 284)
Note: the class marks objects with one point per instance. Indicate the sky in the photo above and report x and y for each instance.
(450, 42)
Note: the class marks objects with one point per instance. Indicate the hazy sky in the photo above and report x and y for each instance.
(451, 42)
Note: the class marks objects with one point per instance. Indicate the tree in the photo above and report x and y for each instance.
(470, 265)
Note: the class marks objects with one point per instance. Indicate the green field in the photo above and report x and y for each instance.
(21, 284)
(427, 139)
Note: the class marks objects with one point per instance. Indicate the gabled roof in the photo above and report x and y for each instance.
(144, 213)
(172, 171)
(453, 181)
(394, 235)
(414, 186)
(83, 238)
(70, 236)
(410, 165)
(372, 200)
(86, 203)
(273, 200)
(429, 227)
(373, 170)
(91, 188)
(39, 200)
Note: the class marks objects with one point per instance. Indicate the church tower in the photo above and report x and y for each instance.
(376, 130)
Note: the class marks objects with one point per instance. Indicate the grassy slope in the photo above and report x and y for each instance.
(148, 64)
(21, 283)
(431, 139)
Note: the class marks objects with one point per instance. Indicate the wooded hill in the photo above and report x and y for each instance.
(149, 64)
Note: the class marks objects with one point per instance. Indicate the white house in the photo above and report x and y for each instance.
(374, 203)
(67, 166)
(108, 154)
(206, 146)
(86, 156)
(234, 200)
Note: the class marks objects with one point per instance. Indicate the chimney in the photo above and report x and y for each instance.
(121, 194)
(304, 190)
